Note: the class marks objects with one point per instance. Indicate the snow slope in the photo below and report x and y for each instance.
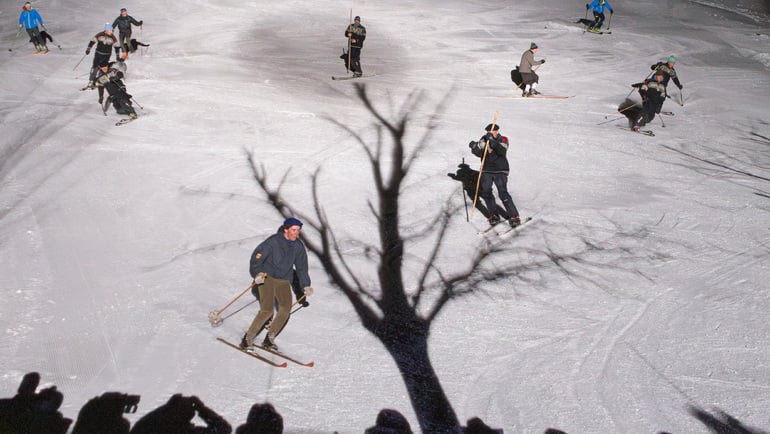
(116, 242)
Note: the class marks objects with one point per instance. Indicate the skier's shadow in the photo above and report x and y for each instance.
(469, 178)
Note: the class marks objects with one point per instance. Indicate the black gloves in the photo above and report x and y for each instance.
(471, 144)
(680, 86)
(542, 61)
(88, 50)
(101, 100)
(612, 12)
(586, 6)
(141, 22)
(304, 302)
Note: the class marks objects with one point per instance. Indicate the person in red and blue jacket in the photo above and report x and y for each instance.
(30, 19)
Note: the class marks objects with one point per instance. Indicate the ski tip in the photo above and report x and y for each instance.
(310, 364)
(282, 365)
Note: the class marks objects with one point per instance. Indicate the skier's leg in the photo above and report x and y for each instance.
(486, 193)
(501, 183)
(266, 297)
(283, 295)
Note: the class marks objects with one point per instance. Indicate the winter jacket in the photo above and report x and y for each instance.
(653, 93)
(104, 42)
(30, 18)
(357, 33)
(280, 258)
(124, 23)
(496, 160)
(668, 73)
(111, 80)
(527, 60)
(599, 5)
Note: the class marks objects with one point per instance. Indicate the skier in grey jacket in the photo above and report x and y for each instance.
(274, 264)
(528, 76)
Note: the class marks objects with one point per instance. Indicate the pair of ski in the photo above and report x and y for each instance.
(350, 77)
(508, 229)
(541, 96)
(265, 359)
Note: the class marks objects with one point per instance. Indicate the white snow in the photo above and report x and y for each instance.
(116, 242)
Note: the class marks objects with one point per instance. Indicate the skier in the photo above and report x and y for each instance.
(495, 171)
(111, 79)
(597, 6)
(30, 19)
(669, 73)
(653, 93)
(528, 76)
(356, 34)
(272, 266)
(123, 24)
(105, 41)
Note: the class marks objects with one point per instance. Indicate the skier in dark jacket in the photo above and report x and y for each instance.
(273, 266)
(112, 79)
(105, 42)
(494, 171)
(30, 19)
(356, 34)
(653, 93)
(123, 24)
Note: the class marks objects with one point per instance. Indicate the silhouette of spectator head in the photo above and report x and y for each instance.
(32, 413)
(176, 415)
(477, 426)
(553, 431)
(390, 421)
(104, 414)
(262, 419)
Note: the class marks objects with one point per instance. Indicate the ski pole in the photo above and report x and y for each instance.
(140, 106)
(481, 168)
(214, 316)
(661, 120)
(610, 20)
(465, 201)
(681, 98)
(350, 39)
(308, 292)
(81, 59)
(611, 120)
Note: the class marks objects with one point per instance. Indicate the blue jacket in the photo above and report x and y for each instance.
(280, 258)
(30, 19)
(598, 6)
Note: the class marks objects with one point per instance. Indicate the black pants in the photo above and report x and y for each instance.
(500, 181)
(124, 39)
(99, 58)
(121, 101)
(34, 36)
(598, 20)
(355, 60)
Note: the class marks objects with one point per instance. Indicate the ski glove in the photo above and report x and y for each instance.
(612, 12)
(141, 22)
(472, 144)
(542, 61)
(101, 101)
(304, 302)
(680, 86)
(586, 6)
(260, 278)
(88, 51)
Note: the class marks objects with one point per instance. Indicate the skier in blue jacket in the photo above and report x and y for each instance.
(30, 19)
(597, 6)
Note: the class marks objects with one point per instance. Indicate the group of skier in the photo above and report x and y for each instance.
(108, 75)
(104, 74)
